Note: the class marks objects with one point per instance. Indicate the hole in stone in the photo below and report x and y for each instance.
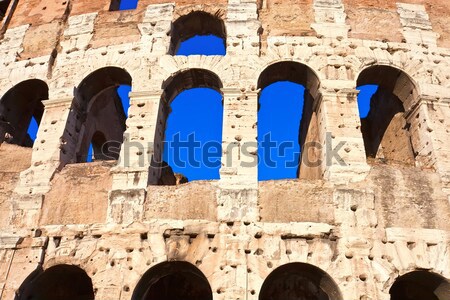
(144, 236)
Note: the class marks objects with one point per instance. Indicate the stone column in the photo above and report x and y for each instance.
(239, 172)
(50, 148)
(343, 154)
(49, 154)
(142, 142)
(430, 135)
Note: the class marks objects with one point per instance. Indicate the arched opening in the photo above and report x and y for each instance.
(173, 281)
(21, 107)
(198, 33)
(101, 104)
(384, 128)
(299, 281)
(420, 285)
(287, 122)
(3, 8)
(66, 282)
(191, 126)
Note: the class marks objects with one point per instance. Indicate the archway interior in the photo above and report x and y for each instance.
(198, 33)
(287, 122)
(193, 126)
(420, 285)
(173, 281)
(18, 107)
(101, 103)
(384, 128)
(299, 281)
(196, 119)
(60, 282)
(279, 118)
(123, 92)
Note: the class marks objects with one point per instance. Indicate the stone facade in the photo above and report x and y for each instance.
(360, 230)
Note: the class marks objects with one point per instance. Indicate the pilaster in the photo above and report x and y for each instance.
(142, 142)
(343, 152)
(239, 173)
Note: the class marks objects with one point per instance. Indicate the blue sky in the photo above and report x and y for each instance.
(200, 111)
(128, 4)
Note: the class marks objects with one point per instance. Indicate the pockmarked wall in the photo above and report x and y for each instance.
(369, 219)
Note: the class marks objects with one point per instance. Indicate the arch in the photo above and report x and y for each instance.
(196, 23)
(419, 285)
(299, 281)
(67, 282)
(99, 113)
(171, 281)
(100, 80)
(188, 79)
(385, 129)
(18, 106)
(172, 87)
(308, 134)
(392, 80)
(290, 71)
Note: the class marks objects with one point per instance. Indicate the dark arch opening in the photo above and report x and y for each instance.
(305, 157)
(175, 280)
(18, 107)
(385, 129)
(66, 282)
(420, 285)
(192, 112)
(196, 23)
(299, 281)
(3, 8)
(100, 114)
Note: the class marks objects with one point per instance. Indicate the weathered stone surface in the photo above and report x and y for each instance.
(79, 195)
(363, 222)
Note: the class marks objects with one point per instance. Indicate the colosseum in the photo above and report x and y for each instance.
(374, 224)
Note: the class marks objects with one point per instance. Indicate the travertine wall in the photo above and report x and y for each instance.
(364, 223)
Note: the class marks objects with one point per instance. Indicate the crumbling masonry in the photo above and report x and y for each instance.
(377, 227)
